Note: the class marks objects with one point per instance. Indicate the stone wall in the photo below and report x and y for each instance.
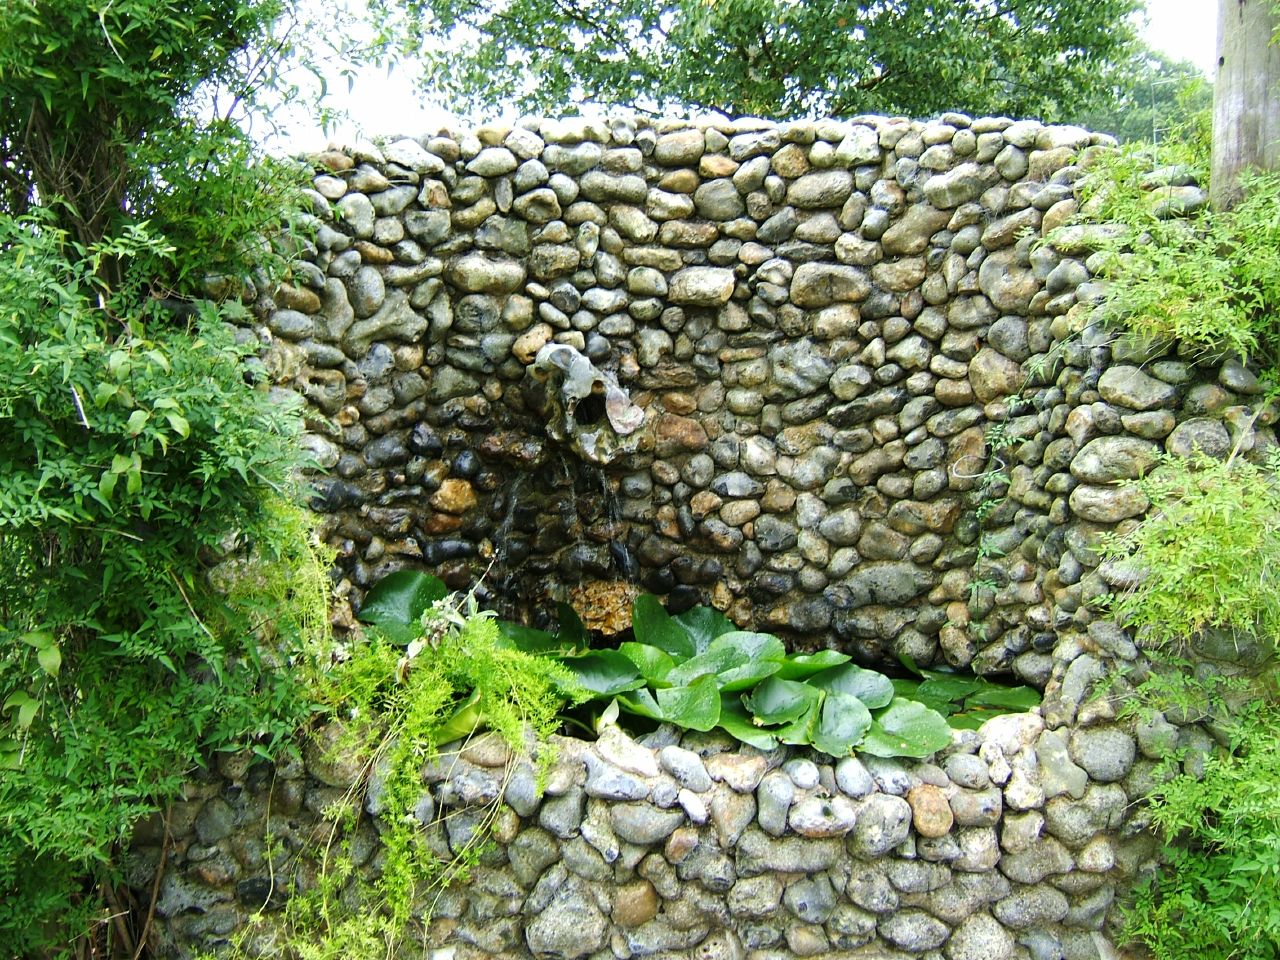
(825, 376)
(1008, 845)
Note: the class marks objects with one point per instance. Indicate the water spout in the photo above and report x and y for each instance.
(585, 408)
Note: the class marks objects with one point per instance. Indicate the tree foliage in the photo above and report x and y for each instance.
(1151, 98)
(771, 57)
(155, 574)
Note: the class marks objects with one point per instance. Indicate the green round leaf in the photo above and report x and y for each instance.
(843, 722)
(50, 659)
(654, 664)
(906, 729)
(399, 600)
(781, 701)
(736, 722)
(801, 665)
(704, 625)
(606, 673)
(528, 639)
(708, 663)
(695, 707)
(651, 624)
(872, 688)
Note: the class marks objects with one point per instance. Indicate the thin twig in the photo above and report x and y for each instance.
(155, 886)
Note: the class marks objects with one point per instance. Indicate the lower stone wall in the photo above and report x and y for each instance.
(1012, 843)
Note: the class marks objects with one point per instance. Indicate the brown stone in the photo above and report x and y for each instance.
(334, 160)
(994, 375)
(778, 497)
(704, 502)
(635, 903)
(953, 393)
(790, 161)
(930, 811)
(680, 844)
(687, 233)
(680, 403)
(372, 253)
(737, 512)
(680, 181)
(297, 298)
(966, 458)
(455, 496)
(527, 345)
(674, 435)
(716, 165)
(913, 517)
(441, 523)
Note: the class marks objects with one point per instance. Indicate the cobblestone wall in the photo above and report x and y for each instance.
(825, 376)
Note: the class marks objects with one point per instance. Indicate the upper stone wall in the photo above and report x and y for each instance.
(826, 376)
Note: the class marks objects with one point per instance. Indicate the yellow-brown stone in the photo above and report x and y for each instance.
(930, 811)
(455, 496)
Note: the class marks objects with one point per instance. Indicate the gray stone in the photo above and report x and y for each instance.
(773, 802)
(1107, 459)
(356, 212)
(823, 816)
(1130, 387)
(827, 188)
(887, 583)
(562, 815)
(817, 285)
(1209, 437)
(718, 200)
(960, 185)
(702, 286)
(980, 937)
(883, 822)
(608, 782)
(1105, 753)
(493, 162)
(686, 766)
(758, 853)
(811, 899)
(570, 926)
(476, 273)
(1108, 504)
(913, 930)
(643, 823)
(798, 369)
(1031, 907)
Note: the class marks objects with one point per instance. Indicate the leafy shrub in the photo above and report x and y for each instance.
(433, 670)
(1218, 894)
(134, 459)
(1210, 281)
(1208, 552)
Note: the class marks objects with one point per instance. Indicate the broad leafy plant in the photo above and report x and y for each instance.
(697, 671)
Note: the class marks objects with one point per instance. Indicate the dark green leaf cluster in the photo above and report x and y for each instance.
(134, 460)
(772, 57)
(1219, 892)
(98, 106)
(435, 670)
(1207, 555)
(697, 671)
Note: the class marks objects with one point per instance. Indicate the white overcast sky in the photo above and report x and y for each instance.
(388, 103)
